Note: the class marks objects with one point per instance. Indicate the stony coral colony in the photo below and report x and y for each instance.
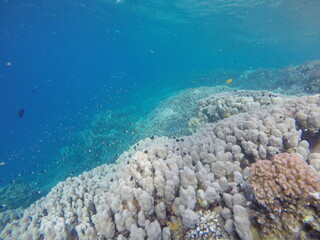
(253, 175)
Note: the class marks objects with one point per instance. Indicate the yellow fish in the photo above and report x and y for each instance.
(229, 80)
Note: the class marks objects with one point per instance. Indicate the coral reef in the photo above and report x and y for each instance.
(113, 132)
(299, 79)
(172, 116)
(160, 185)
(17, 194)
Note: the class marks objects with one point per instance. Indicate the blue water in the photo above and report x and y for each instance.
(66, 61)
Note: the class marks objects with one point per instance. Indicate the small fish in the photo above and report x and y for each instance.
(3, 206)
(229, 80)
(20, 113)
(2, 163)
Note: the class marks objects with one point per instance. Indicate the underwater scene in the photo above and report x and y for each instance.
(158, 119)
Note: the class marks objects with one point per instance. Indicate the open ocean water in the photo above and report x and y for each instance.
(83, 80)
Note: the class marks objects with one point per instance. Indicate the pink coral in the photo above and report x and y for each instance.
(287, 176)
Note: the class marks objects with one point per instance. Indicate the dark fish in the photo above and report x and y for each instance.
(20, 113)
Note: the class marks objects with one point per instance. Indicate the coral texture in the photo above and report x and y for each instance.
(219, 106)
(288, 175)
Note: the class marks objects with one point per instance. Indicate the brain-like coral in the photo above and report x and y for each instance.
(286, 176)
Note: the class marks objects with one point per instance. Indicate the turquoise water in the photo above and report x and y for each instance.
(94, 77)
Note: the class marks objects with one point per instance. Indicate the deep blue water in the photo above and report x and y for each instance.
(64, 61)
